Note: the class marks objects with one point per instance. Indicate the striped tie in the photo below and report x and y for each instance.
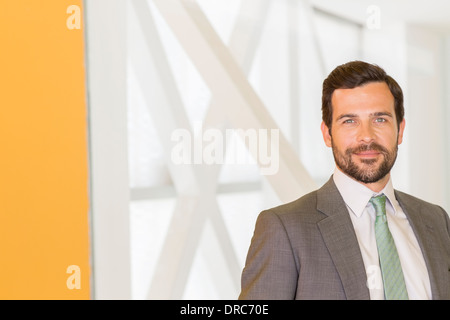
(391, 270)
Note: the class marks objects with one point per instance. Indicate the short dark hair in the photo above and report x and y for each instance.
(355, 74)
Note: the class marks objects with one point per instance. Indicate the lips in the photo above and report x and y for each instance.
(368, 154)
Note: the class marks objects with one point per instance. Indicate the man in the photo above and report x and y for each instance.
(356, 237)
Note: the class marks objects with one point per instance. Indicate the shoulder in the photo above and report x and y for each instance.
(295, 214)
(310, 207)
(428, 209)
(305, 203)
(407, 199)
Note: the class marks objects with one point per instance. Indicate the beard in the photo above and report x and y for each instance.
(369, 171)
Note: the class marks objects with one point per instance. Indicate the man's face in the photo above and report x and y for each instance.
(364, 132)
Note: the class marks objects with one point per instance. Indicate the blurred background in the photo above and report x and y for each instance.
(92, 204)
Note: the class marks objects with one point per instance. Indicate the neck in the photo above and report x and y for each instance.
(379, 185)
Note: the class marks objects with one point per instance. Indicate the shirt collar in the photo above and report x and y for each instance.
(357, 196)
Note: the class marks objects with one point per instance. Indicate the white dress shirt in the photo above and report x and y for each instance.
(362, 213)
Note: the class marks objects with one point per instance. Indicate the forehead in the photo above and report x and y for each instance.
(367, 99)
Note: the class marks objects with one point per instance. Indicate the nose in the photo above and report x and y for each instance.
(366, 133)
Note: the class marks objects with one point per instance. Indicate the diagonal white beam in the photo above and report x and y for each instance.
(177, 254)
(164, 102)
(246, 34)
(243, 44)
(244, 41)
(228, 83)
(166, 106)
(187, 221)
(167, 276)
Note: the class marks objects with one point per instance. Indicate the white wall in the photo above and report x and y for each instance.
(427, 115)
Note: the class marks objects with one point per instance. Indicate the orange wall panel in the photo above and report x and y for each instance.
(44, 206)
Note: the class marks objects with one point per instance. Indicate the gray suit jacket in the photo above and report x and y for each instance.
(307, 249)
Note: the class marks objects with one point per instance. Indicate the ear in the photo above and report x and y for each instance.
(326, 134)
(400, 131)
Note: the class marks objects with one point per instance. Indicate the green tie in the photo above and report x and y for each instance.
(391, 270)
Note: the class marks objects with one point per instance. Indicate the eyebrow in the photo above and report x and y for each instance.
(376, 114)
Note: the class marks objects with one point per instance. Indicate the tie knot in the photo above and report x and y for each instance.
(379, 203)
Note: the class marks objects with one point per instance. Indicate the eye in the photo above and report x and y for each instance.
(380, 120)
(349, 121)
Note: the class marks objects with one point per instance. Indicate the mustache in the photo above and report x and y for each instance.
(367, 147)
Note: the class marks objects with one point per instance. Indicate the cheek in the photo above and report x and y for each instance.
(342, 141)
(390, 138)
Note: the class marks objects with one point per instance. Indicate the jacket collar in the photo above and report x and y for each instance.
(340, 238)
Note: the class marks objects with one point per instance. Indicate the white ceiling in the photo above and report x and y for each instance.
(433, 13)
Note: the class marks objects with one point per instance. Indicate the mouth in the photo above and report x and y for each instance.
(368, 154)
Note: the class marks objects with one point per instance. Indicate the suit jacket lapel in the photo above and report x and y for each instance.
(340, 239)
(423, 225)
